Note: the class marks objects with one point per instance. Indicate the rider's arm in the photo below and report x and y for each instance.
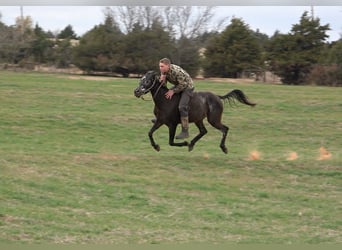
(182, 83)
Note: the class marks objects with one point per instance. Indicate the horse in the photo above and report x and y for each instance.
(202, 105)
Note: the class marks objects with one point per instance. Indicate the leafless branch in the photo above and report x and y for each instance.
(186, 21)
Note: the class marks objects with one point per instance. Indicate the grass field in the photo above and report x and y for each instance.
(77, 166)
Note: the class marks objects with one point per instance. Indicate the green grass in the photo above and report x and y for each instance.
(77, 166)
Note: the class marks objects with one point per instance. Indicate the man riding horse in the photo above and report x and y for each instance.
(182, 84)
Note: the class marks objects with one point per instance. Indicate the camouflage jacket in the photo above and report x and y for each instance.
(180, 78)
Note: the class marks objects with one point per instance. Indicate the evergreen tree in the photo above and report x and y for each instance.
(187, 55)
(146, 46)
(214, 57)
(41, 46)
(334, 55)
(67, 33)
(233, 51)
(293, 55)
(62, 56)
(100, 49)
(262, 39)
(4, 31)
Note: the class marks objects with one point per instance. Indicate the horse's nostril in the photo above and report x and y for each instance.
(137, 92)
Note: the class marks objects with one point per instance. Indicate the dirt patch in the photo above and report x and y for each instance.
(292, 156)
(254, 155)
(323, 154)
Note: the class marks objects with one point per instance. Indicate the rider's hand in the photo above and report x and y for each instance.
(162, 78)
(169, 94)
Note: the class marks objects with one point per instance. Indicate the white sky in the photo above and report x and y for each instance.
(267, 19)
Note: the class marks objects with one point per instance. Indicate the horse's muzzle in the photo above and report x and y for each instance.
(138, 93)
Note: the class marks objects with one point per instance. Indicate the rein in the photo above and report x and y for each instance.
(148, 90)
(161, 84)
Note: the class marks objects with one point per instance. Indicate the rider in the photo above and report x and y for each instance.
(182, 84)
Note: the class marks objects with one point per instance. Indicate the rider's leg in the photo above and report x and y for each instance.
(184, 113)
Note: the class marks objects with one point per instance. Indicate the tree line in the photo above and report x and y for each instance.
(131, 40)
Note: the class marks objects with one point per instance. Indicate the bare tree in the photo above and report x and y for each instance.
(180, 21)
(169, 19)
(24, 24)
(109, 17)
(187, 21)
(128, 16)
(148, 15)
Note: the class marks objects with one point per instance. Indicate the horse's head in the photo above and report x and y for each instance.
(147, 82)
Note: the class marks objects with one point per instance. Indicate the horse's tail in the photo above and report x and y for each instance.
(237, 95)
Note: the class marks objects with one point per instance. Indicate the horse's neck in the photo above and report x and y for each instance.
(158, 95)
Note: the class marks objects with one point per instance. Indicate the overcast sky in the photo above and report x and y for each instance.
(267, 19)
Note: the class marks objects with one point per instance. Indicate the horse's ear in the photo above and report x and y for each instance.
(153, 73)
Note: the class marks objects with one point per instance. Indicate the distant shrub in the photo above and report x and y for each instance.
(325, 75)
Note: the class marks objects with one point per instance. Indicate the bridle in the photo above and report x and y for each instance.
(154, 83)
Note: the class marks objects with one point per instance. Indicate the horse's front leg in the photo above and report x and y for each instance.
(172, 132)
(155, 126)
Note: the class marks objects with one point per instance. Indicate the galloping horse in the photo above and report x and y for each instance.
(202, 105)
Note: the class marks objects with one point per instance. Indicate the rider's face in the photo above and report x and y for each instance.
(164, 68)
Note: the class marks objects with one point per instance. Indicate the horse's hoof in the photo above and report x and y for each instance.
(191, 147)
(157, 148)
(224, 150)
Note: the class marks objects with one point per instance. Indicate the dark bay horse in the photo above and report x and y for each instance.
(202, 105)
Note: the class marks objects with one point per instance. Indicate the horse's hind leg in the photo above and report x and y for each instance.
(172, 132)
(224, 130)
(216, 123)
(202, 132)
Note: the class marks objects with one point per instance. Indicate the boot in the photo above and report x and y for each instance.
(185, 128)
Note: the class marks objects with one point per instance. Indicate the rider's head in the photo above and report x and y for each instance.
(164, 65)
